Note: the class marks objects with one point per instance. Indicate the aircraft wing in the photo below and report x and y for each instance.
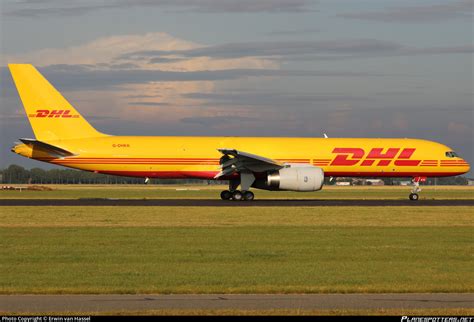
(235, 161)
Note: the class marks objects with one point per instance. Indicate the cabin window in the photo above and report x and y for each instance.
(452, 154)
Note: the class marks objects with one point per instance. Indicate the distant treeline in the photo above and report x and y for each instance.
(17, 174)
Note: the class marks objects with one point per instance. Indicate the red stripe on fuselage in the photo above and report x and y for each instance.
(209, 175)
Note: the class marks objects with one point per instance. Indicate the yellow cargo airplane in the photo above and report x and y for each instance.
(65, 138)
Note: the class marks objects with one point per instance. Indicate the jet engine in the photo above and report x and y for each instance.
(293, 178)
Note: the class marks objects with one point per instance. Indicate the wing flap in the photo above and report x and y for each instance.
(239, 161)
(250, 157)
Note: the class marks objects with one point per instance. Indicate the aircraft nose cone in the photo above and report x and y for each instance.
(467, 165)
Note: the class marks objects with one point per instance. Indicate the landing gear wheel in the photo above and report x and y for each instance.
(416, 188)
(414, 196)
(226, 195)
(248, 195)
(237, 195)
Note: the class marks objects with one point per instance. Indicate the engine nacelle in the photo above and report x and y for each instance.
(299, 178)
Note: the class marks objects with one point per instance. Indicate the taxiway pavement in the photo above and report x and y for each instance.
(227, 203)
(135, 303)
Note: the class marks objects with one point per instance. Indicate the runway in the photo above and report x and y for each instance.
(122, 303)
(227, 203)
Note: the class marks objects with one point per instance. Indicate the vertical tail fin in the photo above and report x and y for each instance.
(50, 114)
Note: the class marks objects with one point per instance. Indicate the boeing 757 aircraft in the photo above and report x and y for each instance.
(65, 138)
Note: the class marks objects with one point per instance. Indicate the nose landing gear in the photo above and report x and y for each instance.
(416, 188)
(413, 196)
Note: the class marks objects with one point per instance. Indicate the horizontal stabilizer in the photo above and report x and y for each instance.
(52, 150)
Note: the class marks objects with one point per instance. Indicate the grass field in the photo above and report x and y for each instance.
(236, 260)
(236, 250)
(212, 192)
(277, 312)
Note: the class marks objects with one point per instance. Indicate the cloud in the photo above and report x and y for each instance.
(160, 60)
(56, 8)
(464, 49)
(140, 89)
(277, 51)
(461, 129)
(75, 80)
(217, 120)
(419, 14)
(273, 99)
(89, 69)
(100, 53)
(293, 32)
(163, 52)
(148, 104)
(141, 96)
(273, 49)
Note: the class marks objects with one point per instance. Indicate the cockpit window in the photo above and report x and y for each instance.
(452, 154)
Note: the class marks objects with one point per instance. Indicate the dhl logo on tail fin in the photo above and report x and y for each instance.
(50, 114)
(54, 113)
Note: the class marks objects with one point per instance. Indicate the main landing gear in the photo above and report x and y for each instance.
(416, 188)
(237, 195)
(245, 181)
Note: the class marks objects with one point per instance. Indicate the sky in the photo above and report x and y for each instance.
(367, 68)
